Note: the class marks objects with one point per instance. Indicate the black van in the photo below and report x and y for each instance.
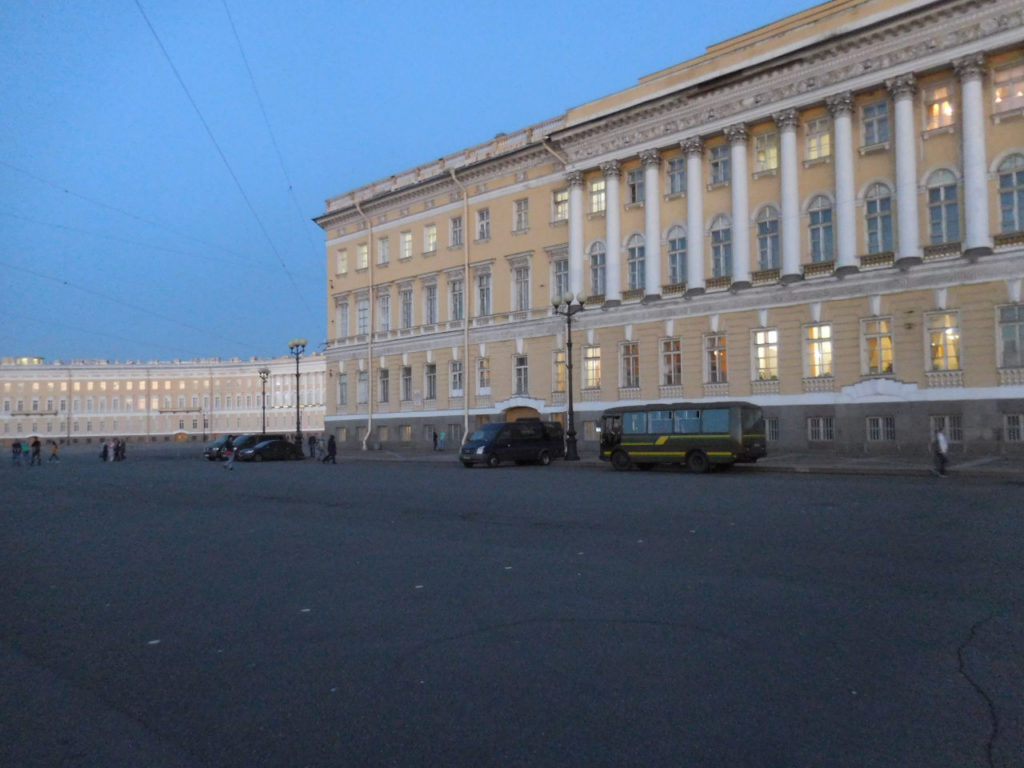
(521, 441)
(248, 441)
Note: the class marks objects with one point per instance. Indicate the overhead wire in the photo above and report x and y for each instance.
(224, 159)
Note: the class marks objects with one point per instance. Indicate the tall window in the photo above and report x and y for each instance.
(721, 246)
(677, 255)
(343, 389)
(944, 341)
(521, 219)
(938, 106)
(819, 140)
(455, 377)
(766, 354)
(483, 375)
(598, 198)
(635, 262)
(404, 245)
(430, 238)
(561, 374)
(874, 119)
(1008, 88)
(483, 224)
(766, 152)
(406, 383)
(405, 296)
(455, 231)
(383, 385)
(363, 316)
(1011, 193)
(768, 238)
(457, 294)
(1011, 336)
(671, 362)
(362, 386)
(383, 250)
(720, 167)
(430, 381)
(878, 217)
(384, 312)
(429, 304)
(629, 365)
(362, 256)
(521, 288)
(342, 268)
(522, 372)
(716, 370)
(341, 319)
(676, 176)
(943, 208)
(819, 223)
(635, 192)
(560, 205)
(818, 350)
(591, 367)
(597, 253)
(483, 293)
(560, 268)
(877, 337)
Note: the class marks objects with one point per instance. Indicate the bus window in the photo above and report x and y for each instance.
(612, 425)
(686, 422)
(634, 423)
(715, 421)
(659, 422)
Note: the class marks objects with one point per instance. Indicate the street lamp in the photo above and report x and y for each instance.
(567, 306)
(297, 347)
(264, 373)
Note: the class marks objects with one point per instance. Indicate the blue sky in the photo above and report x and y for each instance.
(161, 162)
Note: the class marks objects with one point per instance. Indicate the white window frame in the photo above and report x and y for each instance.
(521, 215)
(598, 196)
(716, 358)
(818, 351)
(675, 177)
(629, 365)
(560, 205)
(879, 331)
(874, 122)
(939, 110)
(943, 347)
(636, 191)
(764, 351)
(383, 250)
(766, 152)
(818, 139)
(671, 361)
(720, 165)
(483, 224)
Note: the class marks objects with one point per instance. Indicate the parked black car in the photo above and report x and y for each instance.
(218, 449)
(241, 442)
(521, 441)
(270, 450)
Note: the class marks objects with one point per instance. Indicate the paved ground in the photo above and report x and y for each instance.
(400, 612)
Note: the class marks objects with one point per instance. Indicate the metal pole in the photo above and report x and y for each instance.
(570, 434)
(297, 347)
(264, 373)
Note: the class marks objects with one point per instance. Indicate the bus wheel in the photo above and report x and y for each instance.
(492, 461)
(544, 458)
(697, 462)
(621, 461)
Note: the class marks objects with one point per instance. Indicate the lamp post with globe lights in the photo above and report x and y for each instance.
(264, 373)
(567, 306)
(297, 347)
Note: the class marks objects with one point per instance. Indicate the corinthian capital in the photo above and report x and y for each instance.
(902, 85)
(970, 66)
(575, 178)
(737, 134)
(840, 104)
(611, 169)
(787, 118)
(692, 146)
(650, 157)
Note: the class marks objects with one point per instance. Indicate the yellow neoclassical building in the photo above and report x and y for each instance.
(82, 401)
(824, 216)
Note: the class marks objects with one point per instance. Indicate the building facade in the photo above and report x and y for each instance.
(824, 216)
(197, 400)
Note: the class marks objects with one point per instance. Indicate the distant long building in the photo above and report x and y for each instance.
(824, 216)
(86, 400)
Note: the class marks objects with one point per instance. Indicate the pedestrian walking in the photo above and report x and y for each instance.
(16, 453)
(53, 451)
(312, 446)
(941, 447)
(332, 451)
(435, 441)
(105, 452)
(321, 449)
(37, 458)
(230, 463)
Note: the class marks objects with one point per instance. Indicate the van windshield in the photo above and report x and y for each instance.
(486, 432)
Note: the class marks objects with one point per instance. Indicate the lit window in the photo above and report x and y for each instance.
(876, 335)
(766, 354)
(766, 152)
(405, 245)
(1009, 88)
(818, 350)
(560, 371)
(598, 199)
(560, 205)
(342, 262)
(819, 140)
(430, 238)
(715, 362)
(938, 107)
(944, 341)
(362, 256)
(591, 368)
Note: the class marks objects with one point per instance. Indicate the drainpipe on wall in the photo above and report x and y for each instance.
(369, 335)
(467, 293)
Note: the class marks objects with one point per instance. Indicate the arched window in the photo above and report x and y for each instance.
(597, 255)
(1011, 193)
(635, 262)
(677, 254)
(943, 208)
(721, 246)
(768, 238)
(878, 217)
(819, 225)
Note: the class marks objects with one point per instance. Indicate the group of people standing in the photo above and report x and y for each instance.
(113, 450)
(325, 454)
(23, 449)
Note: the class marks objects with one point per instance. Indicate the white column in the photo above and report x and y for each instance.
(613, 234)
(977, 240)
(790, 195)
(841, 108)
(693, 148)
(908, 235)
(576, 282)
(737, 135)
(652, 225)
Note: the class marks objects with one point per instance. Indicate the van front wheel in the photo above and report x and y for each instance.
(621, 461)
(492, 461)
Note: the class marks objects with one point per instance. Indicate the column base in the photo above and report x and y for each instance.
(973, 254)
(691, 292)
(846, 269)
(793, 277)
(906, 262)
(651, 298)
(740, 285)
(610, 303)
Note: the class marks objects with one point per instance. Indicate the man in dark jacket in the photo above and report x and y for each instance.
(332, 451)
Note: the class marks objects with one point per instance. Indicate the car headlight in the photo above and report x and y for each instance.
(480, 451)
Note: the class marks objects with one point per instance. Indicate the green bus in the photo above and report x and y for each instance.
(698, 435)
